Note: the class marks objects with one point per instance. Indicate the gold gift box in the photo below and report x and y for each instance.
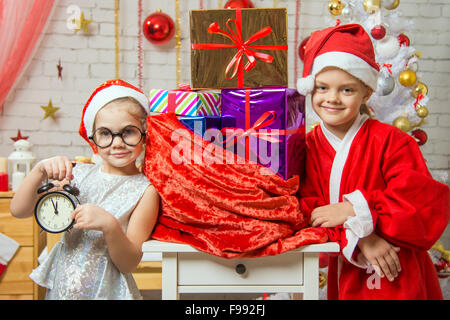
(263, 37)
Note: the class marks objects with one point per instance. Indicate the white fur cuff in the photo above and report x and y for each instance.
(362, 223)
(357, 227)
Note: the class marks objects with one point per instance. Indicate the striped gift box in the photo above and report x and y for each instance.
(188, 103)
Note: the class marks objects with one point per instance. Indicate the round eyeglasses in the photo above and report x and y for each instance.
(130, 135)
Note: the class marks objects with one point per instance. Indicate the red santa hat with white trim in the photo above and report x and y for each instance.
(105, 93)
(347, 47)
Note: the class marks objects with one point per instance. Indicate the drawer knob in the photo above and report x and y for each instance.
(240, 268)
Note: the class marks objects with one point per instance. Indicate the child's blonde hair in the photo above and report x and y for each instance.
(363, 109)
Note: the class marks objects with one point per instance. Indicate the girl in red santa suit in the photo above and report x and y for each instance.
(366, 181)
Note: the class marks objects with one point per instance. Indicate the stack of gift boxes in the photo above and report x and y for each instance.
(239, 78)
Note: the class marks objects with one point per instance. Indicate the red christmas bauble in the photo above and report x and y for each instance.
(378, 32)
(158, 27)
(421, 136)
(301, 48)
(231, 4)
(403, 40)
(323, 260)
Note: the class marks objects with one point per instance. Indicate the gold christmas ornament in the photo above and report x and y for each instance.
(49, 110)
(419, 89)
(322, 279)
(422, 111)
(407, 78)
(402, 123)
(438, 246)
(371, 6)
(314, 125)
(335, 7)
(392, 6)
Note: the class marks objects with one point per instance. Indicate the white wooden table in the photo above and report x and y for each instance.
(187, 270)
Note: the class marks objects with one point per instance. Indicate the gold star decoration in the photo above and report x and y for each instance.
(82, 23)
(49, 110)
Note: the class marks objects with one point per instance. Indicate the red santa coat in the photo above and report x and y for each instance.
(381, 171)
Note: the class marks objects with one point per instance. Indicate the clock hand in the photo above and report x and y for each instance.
(54, 206)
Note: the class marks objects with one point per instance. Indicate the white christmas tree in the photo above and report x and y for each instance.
(401, 97)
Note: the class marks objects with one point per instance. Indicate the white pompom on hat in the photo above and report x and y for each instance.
(347, 47)
(105, 93)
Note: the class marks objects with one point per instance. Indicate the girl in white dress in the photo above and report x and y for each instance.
(119, 206)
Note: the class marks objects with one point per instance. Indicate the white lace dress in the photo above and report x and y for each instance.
(79, 266)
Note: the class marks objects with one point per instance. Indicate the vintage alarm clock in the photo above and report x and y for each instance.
(53, 209)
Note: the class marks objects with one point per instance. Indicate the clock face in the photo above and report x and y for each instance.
(53, 212)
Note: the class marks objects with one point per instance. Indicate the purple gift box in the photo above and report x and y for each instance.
(273, 121)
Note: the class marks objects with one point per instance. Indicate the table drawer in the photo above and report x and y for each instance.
(16, 297)
(204, 269)
(15, 279)
(20, 230)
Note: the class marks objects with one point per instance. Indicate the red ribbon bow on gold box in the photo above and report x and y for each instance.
(245, 48)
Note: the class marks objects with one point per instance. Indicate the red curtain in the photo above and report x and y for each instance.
(21, 25)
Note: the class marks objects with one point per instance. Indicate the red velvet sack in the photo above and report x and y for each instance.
(226, 209)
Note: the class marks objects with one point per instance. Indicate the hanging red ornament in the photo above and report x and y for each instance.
(301, 48)
(231, 4)
(403, 40)
(420, 136)
(378, 32)
(158, 27)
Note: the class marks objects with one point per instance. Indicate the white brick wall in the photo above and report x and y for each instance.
(88, 60)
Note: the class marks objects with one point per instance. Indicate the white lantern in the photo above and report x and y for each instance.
(20, 162)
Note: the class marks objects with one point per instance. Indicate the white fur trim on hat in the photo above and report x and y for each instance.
(305, 85)
(107, 95)
(351, 63)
